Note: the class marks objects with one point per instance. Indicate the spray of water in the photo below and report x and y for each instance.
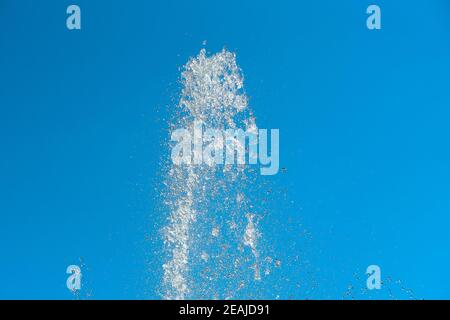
(211, 237)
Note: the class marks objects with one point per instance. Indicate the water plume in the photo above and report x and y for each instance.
(211, 236)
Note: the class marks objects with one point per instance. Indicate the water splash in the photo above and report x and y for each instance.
(209, 223)
(251, 239)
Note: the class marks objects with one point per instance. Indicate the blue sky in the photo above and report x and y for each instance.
(364, 136)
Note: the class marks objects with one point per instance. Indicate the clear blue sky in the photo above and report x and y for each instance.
(363, 116)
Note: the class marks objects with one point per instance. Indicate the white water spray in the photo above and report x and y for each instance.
(210, 223)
